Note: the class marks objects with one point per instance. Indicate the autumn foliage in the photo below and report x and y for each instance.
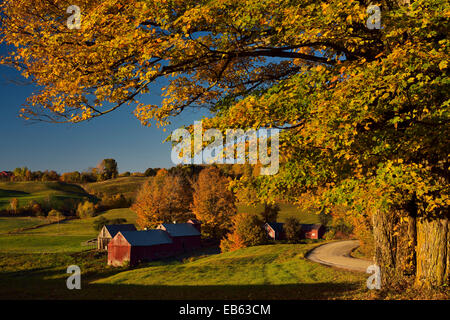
(163, 199)
(213, 202)
(364, 112)
(247, 231)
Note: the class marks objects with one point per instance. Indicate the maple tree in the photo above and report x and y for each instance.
(364, 112)
(162, 199)
(213, 203)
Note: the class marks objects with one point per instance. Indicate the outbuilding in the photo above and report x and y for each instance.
(139, 246)
(275, 230)
(109, 231)
(185, 236)
(312, 231)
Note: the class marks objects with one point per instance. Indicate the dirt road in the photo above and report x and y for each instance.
(337, 254)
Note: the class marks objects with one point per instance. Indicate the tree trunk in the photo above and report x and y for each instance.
(433, 250)
(385, 245)
(412, 210)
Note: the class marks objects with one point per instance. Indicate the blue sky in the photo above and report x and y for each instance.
(70, 147)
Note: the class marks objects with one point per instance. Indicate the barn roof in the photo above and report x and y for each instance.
(113, 229)
(146, 238)
(276, 226)
(180, 229)
(310, 227)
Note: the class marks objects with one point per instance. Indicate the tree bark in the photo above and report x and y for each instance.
(385, 246)
(433, 250)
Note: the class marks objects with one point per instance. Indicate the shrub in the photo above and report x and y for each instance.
(330, 234)
(55, 214)
(14, 205)
(247, 231)
(85, 210)
(292, 230)
(35, 209)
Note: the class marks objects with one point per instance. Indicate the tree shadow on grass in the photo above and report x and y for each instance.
(51, 284)
(12, 193)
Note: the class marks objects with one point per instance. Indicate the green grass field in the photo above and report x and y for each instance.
(286, 211)
(25, 192)
(33, 262)
(8, 224)
(128, 186)
(263, 272)
(65, 236)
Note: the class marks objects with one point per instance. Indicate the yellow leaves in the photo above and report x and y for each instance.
(349, 19)
(443, 64)
(320, 68)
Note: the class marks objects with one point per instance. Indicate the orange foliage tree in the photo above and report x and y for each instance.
(214, 203)
(163, 198)
(247, 231)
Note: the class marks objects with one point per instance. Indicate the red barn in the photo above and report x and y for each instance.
(312, 231)
(6, 175)
(109, 231)
(185, 236)
(197, 224)
(139, 246)
(274, 230)
(309, 231)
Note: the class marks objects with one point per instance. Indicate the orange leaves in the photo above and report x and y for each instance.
(213, 202)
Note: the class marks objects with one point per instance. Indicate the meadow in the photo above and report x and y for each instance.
(264, 272)
(65, 236)
(128, 186)
(54, 192)
(34, 257)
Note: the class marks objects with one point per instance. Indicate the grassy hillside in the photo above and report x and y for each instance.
(56, 192)
(271, 271)
(128, 186)
(8, 224)
(264, 272)
(287, 210)
(65, 236)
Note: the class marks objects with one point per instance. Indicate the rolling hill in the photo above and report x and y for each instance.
(263, 272)
(56, 192)
(128, 186)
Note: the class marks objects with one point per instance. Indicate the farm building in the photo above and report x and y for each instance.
(185, 236)
(309, 231)
(6, 175)
(312, 231)
(197, 224)
(109, 231)
(139, 246)
(274, 230)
